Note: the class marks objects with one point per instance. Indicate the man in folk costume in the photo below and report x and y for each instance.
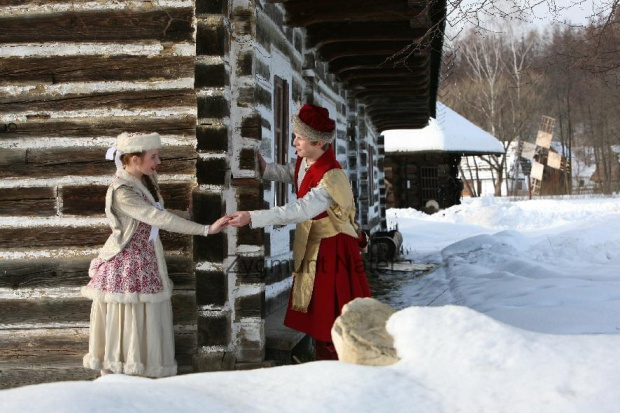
(328, 267)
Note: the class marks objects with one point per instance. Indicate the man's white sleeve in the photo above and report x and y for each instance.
(280, 173)
(303, 209)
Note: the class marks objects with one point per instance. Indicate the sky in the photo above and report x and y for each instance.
(463, 13)
(520, 312)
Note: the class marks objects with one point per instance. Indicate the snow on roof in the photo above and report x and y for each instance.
(450, 133)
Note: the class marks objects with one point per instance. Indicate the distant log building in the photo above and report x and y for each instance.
(218, 79)
(423, 167)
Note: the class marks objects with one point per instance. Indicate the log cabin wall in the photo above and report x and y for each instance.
(73, 75)
(280, 89)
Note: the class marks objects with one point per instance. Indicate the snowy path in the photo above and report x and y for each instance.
(546, 266)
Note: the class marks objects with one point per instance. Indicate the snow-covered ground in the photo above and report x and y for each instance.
(521, 314)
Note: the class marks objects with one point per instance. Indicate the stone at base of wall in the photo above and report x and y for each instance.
(253, 366)
(359, 334)
(214, 361)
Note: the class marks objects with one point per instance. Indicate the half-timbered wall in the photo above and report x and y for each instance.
(73, 75)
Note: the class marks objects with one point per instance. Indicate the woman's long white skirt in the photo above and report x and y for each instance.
(132, 338)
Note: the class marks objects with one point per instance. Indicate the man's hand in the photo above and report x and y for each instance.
(240, 219)
(261, 163)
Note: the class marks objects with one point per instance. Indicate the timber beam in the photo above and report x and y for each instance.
(381, 73)
(333, 51)
(374, 62)
(305, 13)
(325, 33)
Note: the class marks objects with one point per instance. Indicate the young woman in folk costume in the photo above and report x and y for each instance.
(131, 328)
(328, 268)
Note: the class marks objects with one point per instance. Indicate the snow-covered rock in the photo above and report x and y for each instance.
(359, 334)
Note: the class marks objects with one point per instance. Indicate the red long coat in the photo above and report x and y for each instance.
(340, 275)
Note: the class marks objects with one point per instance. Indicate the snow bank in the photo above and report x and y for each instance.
(453, 360)
(476, 364)
(501, 213)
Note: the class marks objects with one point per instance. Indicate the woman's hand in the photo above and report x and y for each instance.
(220, 224)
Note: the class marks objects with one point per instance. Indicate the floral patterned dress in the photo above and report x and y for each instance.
(133, 270)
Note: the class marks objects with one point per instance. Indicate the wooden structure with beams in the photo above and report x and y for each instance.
(385, 52)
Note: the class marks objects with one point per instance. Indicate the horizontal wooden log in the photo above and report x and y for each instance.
(387, 91)
(60, 69)
(28, 201)
(51, 162)
(211, 171)
(35, 127)
(332, 32)
(390, 98)
(396, 111)
(251, 127)
(215, 330)
(90, 200)
(144, 99)
(34, 312)
(50, 355)
(211, 288)
(83, 200)
(383, 93)
(42, 237)
(171, 25)
(10, 378)
(301, 14)
(95, 236)
(329, 52)
(176, 195)
(211, 39)
(388, 81)
(250, 306)
(340, 65)
(39, 2)
(383, 126)
(212, 138)
(63, 347)
(44, 273)
(382, 73)
(60, 347)
(73, 272)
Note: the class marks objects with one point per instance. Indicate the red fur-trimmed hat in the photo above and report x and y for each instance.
(313, 123)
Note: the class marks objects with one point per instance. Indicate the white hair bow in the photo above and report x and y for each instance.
(116, 158)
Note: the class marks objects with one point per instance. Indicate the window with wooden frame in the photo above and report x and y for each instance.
(430, 183)
(281, 134)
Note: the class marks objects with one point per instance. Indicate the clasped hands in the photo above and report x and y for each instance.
(237, 219)
(240, 218)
